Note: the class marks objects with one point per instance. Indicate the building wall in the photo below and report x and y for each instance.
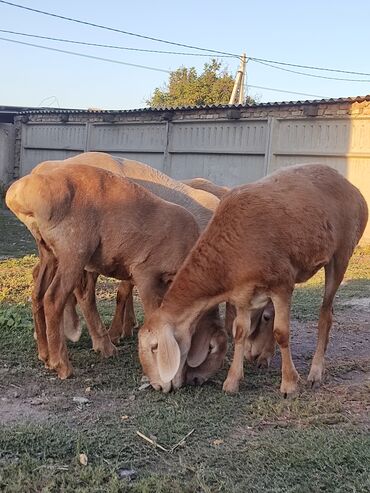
(227, 146)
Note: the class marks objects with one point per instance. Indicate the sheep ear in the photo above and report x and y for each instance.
(168, 355)
(199, 347)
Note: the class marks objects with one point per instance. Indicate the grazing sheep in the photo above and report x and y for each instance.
(264, 237)
(89, 218)
(200, 203)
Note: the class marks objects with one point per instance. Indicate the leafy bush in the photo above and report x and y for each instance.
(14, 317)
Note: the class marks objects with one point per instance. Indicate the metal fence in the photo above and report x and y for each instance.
(228, 152)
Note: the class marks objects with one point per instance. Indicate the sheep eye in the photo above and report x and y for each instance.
(266, 317)
(154, 348)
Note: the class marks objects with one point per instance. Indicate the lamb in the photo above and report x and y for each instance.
(264, 237)
(89, 218)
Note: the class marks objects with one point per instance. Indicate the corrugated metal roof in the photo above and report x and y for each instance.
(22, 109)
(207, 107)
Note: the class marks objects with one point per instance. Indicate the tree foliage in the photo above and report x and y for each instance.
(186, 88)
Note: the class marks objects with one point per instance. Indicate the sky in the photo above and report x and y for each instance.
(326, 33)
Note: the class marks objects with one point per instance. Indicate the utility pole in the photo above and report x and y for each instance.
(237, 95)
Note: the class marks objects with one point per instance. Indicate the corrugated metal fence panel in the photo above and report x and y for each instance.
(141, 138)
(358, 161)
(341, 144)
(54, 136)
(240, 137)
(359, 141)
(310, 141)
(315, 137)
(223, 169)
(226, 152)
(32, 157)
(141, 142)
(44, 141)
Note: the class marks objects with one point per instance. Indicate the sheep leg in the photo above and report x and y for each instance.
(71, 323)
(290, 375)
(151, 290)
(85, 293)
(334, 273)
(124, 316)
(264, 359)
(65, 279)
(230, 314)
(42, 274)
(38, 313)
(241, 328)
(129, 319)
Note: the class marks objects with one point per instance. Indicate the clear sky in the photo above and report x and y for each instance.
(326, 33)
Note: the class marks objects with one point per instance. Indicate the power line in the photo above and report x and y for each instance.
(258, 60)
(105, 45)
(85, 55)
(100, 26)
(71, 19)
(311, 75)
(309, 66)
(288, 92)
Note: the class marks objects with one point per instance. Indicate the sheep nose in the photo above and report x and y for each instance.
(197, 381)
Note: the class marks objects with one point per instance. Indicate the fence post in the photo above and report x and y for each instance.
(271, 125)
(7, 144)
(167, 168)
(87, 138)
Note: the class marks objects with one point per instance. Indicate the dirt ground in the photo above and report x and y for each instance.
(255, 441)
(348, 368)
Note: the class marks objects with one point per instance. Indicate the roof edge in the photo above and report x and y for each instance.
(355, 99)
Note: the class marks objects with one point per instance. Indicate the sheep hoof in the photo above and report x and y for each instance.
(290, 387)
(105, 348)
(231, 386)
(315, 377)
(65, 371)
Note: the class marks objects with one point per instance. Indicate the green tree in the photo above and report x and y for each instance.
(186, 88)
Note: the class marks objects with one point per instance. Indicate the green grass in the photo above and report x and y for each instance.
(279, 460)
(308, 296)
(255, 441)
(15, 241)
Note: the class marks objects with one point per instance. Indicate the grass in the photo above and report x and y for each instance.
(279, 460)
(16, 242)
(254, 441)
(356, 284)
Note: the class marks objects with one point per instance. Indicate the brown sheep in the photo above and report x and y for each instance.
(200, 203)
(89, 218)
(263, 238)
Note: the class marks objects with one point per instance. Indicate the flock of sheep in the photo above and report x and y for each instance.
(186, 251)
